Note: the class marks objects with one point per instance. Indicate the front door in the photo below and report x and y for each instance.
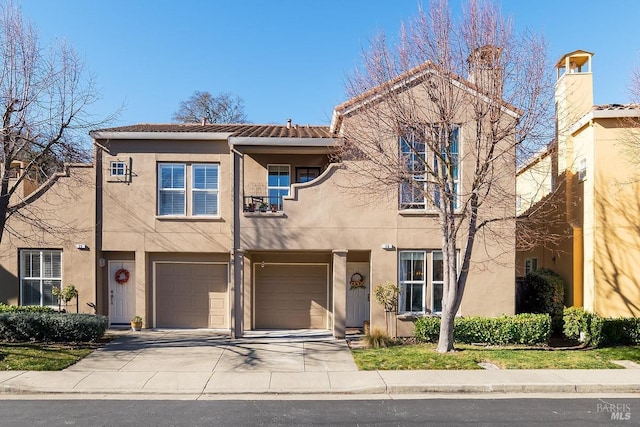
(358, 290)
(122, 292)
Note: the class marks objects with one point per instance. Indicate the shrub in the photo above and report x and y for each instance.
(427, 329)
(5, 308)
(377, 339)
(582, 325)
(525, 328)
(29, 326)
(543, 292)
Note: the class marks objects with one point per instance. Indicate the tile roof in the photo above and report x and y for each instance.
(616, 107)
(237, 130)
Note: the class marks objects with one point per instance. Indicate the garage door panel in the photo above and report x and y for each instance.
(291, 296)
(191, 295)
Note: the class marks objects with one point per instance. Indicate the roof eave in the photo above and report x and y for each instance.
(191, 136)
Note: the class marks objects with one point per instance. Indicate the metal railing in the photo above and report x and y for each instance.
(262, 204)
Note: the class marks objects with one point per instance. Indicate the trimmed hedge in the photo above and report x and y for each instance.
(596, 331)
(529, 329)
(5, 308)
(29, 326)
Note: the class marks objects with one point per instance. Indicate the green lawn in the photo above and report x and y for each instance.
(41, 357)
(424, 356)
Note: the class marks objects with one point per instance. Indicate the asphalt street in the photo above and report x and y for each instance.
(450, 412)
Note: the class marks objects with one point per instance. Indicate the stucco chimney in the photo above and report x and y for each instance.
(485, 70)
(288, 123)
(204, 121)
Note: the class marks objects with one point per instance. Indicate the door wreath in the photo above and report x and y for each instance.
(122, 276)
(357, 281)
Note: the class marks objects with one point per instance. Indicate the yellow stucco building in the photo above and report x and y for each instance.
(585, 189)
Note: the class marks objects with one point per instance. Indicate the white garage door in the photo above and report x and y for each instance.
(191, 295)
(291, 296)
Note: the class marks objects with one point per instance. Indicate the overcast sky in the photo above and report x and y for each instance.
(288, 58)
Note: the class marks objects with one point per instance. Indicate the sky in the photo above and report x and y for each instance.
(289, 58)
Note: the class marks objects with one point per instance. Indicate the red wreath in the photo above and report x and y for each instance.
(122, 276)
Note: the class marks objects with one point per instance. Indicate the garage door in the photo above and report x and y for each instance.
(191, 295)
(291, 297)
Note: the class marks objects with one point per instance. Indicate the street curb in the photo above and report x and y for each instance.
(412, 389)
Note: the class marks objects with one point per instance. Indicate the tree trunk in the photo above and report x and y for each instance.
(445, 341)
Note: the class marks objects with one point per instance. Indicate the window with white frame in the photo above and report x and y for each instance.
(118, 168)
(420, 291)
(278, 182)
(582, 169)
(205, 190)
(412, 272)
(196, 193)
(444, 162)
(171, 189)
(530, 265)
(437, 281)
(40, 272)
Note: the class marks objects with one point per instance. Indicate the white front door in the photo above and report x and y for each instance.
(357, 293)
(122, 292)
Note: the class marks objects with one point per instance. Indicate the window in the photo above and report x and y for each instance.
(205, 190)
(118, 168)
(306, 174)
(530, 265)
(278, 182)
(419, 292)
(199, 189)
(40, 272)
(171, 189)
(437, 281)
(415, 192)
(582, 169)
(412, 281)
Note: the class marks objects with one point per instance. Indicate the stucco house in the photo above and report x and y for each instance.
(588, 178)
(242, 227)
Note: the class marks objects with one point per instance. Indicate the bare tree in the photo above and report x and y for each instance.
(44, 94)
(411, 108)
(222, 108)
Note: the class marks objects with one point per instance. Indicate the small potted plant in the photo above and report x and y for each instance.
(264, 206)
(136, 323)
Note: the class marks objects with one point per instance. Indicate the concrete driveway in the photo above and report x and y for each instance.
(211, 351)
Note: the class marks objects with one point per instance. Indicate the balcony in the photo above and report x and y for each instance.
(262, 204)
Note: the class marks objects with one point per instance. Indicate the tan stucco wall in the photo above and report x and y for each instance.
(68, 206)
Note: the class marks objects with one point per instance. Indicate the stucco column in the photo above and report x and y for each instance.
(339, 292)
(237, 314)
(141, 289)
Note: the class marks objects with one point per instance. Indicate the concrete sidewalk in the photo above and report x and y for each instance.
(162, 363)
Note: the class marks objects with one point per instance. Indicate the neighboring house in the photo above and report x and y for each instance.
(243, 227)
(595, 193)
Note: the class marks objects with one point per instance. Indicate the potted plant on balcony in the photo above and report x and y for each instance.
(136, 323)
(264, 206)
(274, 208)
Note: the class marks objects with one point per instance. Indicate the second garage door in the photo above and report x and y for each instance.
(291, 296)
(191, 295)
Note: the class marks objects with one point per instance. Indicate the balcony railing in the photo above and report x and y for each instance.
(262, 204)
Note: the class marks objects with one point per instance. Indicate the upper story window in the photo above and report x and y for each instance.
(432, 159)
(171, 189)
(582, 169)
(205, 190)
(118, 168)
(306, 173)
(175, 193)
(278, 182)
(40, 272)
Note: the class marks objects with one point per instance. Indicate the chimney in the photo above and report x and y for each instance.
(288, 123)
(204, 121)
(485, 70)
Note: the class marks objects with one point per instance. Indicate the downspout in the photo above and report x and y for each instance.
(237, 254)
